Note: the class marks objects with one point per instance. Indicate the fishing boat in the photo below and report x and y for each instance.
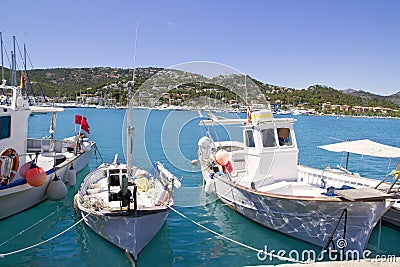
(32, 170)
(334, 177)
(127, 208)
(122, 203)
(259, 178)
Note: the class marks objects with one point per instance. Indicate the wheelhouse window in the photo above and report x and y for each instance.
(268, 138)
(5, 127)
(249, 138)
(284, 137)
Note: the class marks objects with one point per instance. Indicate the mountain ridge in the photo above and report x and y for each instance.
(70, 82)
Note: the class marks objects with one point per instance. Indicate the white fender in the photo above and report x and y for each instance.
(210, 185)
(71, 175)
(56, 190)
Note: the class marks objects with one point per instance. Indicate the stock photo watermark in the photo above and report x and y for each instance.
(220, 87)
(339, 254)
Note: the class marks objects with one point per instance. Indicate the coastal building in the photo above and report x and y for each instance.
(328, 107)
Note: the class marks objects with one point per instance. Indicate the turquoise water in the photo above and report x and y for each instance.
(171, 137)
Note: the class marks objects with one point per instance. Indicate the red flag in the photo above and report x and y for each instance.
(78, 119)
(84, 125)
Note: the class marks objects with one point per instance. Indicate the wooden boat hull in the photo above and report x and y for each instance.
(310, 220)
(127, 231)
(129, 226)
(337, 179)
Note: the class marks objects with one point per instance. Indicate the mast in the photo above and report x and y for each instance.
(245, 87)
(130, 127)
(26, 76)
(13, 66)
(2, 59)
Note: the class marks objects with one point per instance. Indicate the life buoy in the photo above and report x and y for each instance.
(10, 159)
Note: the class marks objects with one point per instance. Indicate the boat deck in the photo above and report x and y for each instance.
(364, 194)
(99, 192)
(293, 189)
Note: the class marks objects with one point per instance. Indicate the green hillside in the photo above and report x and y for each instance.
(72, 82)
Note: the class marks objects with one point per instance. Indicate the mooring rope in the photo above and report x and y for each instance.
(282, 258)
(33, 225)
(2, 255)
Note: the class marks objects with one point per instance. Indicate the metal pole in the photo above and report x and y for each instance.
(130, 127)
(14, 64)
(2, 59)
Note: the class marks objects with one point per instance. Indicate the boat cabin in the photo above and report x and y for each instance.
(14, 123)
(271, 152)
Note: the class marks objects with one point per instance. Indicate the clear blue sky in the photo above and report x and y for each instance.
(294, 43)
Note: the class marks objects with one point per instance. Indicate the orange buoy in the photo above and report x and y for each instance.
(36, 176)
(222, 157)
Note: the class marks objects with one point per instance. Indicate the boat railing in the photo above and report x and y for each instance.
(327, 178)
(46, 145)
(91, 179)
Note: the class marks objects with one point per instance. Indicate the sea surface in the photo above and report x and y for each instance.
(171, 138)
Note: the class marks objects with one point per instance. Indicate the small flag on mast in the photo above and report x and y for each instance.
(83, 122)
(78, 119)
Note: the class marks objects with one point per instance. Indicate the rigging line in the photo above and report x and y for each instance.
(20, 54)
(26, 72)
(359, 164)
(97, 149)
(282, 258)
(30, 62)
(33, 225)
(2, 255)
(6, 53)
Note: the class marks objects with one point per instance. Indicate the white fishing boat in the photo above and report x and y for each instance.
(126, 209)
(124, 204)
(259, 178)
(334, 177)
(32, 170)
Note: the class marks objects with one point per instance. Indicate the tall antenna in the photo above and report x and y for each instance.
(2, 59)
(130, 127)
(134, 55)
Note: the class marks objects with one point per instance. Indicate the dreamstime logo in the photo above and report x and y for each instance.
(306, 256)
(341, 243)
(163, 136)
